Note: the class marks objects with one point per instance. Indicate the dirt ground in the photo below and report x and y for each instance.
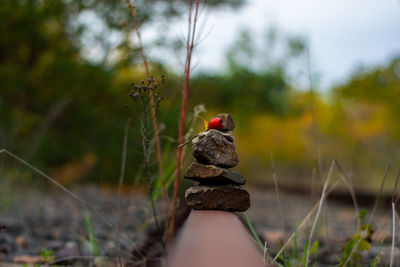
(36, 222)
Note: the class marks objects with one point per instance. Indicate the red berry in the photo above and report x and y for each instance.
(215, 123)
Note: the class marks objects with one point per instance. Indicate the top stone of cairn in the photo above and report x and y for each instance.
(222, 122)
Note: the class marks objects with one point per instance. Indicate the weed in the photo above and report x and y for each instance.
(360, 241)
(294, 257)
(47, 255)
(132, 9)
(90, 241)
(253, 231)
(140, 93)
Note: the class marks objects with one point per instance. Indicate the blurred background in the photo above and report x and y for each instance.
(305, 82)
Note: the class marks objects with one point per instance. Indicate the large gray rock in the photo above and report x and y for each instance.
(215, 148)
(228, 198)
(213, 175)
(227, 122)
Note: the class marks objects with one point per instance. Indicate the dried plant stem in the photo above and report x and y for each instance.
(132, 9)
(394, 217)
(373, 210)
(185, 89)
(146, 153)
(323, 195)
(393, 233)
(348, 184)
(316, 135)
(304, 221)
(123, 161)
(121, 182)
(63, 188)
(278, 200)
(380, 191)
(396, 196)
(314, 121)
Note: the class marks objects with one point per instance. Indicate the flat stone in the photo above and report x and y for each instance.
(215, 148)
(227, 122)
(227, 198)
(213, 175)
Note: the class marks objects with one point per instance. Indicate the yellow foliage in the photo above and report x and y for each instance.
(366, 121)
(287, 138)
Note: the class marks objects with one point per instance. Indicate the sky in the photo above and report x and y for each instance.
(342, 34)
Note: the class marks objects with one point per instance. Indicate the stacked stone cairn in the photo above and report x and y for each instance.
(219, 187)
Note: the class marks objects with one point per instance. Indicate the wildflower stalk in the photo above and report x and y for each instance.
(132, 10)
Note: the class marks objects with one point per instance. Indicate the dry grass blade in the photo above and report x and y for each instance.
(394, 217)
(303, 222)
(349, 186)
(121, 182)
(321, 201)
(265, 252)
(380, 191)
(393, 234)
(373, 210)
(53, 181)
(277, 195)
(123, 161)
(314, 120)
(395, 188)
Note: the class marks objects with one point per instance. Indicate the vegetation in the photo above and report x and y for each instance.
(66, 113)
(66, 110)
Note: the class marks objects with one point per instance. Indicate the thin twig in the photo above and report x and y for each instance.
(54, 113)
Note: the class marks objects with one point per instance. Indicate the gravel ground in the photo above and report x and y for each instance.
(34, 221)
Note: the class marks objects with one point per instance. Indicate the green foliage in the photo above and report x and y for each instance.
(90, 241)
(47, 255)
(65, 114)
(360, 241)
(169, 164)
(378, 86)
(255, 80)
(294, 257)
(253, 231)
(58, 108)
(361, 214)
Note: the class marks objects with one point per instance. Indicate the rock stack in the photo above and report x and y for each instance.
(219, 187)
